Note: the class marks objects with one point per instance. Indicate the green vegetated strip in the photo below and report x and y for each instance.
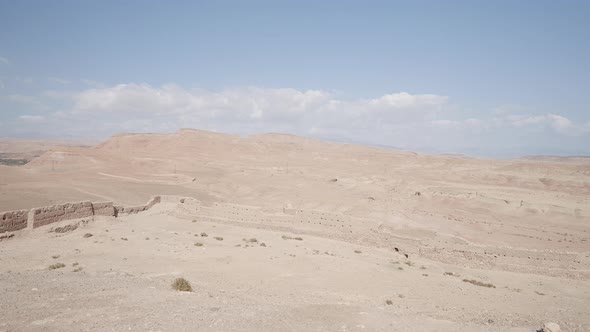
(13, 162)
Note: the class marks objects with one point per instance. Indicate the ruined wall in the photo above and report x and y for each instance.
(103, 209)
(11, 221)
(153, 201)
(139, 208)
(130, 209)
(50, 214)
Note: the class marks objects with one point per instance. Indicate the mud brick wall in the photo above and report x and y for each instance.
(103, 209)
(11, 221)
(50, 214)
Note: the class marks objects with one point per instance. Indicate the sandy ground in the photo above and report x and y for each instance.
(520, 225)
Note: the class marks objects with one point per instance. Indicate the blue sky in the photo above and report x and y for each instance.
(492, 78)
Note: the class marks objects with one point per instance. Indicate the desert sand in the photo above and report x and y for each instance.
(280, 232)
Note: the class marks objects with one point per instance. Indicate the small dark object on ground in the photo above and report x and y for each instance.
(182, 285)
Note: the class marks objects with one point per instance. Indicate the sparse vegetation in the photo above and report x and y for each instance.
(409, 263)
(55, 256)
(75, 264)
(198, 244)
(56, 266)
(182, 285)
(422, 267)
(204, 235)
(357, 251)
(252, 240)
(87, 235)
(452, 274)
(13, 162)
(65, 229)
(479, 283)
(124, 238)
(539, 293)
(400, 268)
(389, 302)
(78, 269)
(218, 238)
(286, 237)
(262, 244)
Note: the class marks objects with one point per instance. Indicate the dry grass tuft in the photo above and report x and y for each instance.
(204, 235)
(198, 244)
(479, 283)
(124, 238)
(55, 256)
(78, 269)
(218, 238)
(87, 235)
(389, 302)
(75, 264)
(262, 244)
(286, 237)
(357, 251)
(182, 285)
(56, 266)
(252, 240)
(409, 263)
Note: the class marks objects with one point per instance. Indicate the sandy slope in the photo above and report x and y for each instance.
(519, 225)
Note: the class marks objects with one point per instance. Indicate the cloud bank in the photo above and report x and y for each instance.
(400, 119)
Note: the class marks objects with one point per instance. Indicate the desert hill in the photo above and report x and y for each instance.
(520, 225)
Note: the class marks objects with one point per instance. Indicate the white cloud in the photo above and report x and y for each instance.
(253, 109)
(3, 60)
(32, 118)
(559, 123)
(412, 121)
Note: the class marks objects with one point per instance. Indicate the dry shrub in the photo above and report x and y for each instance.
(479, 283)
(182, 285)
(286, 237)
(56, 266)
(198, 244)
(87, 235)
(218, 238)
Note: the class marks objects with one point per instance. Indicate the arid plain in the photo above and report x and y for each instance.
(279, 232)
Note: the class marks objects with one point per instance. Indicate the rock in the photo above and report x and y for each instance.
(551, 327)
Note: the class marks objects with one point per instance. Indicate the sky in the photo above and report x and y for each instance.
(484, 78)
